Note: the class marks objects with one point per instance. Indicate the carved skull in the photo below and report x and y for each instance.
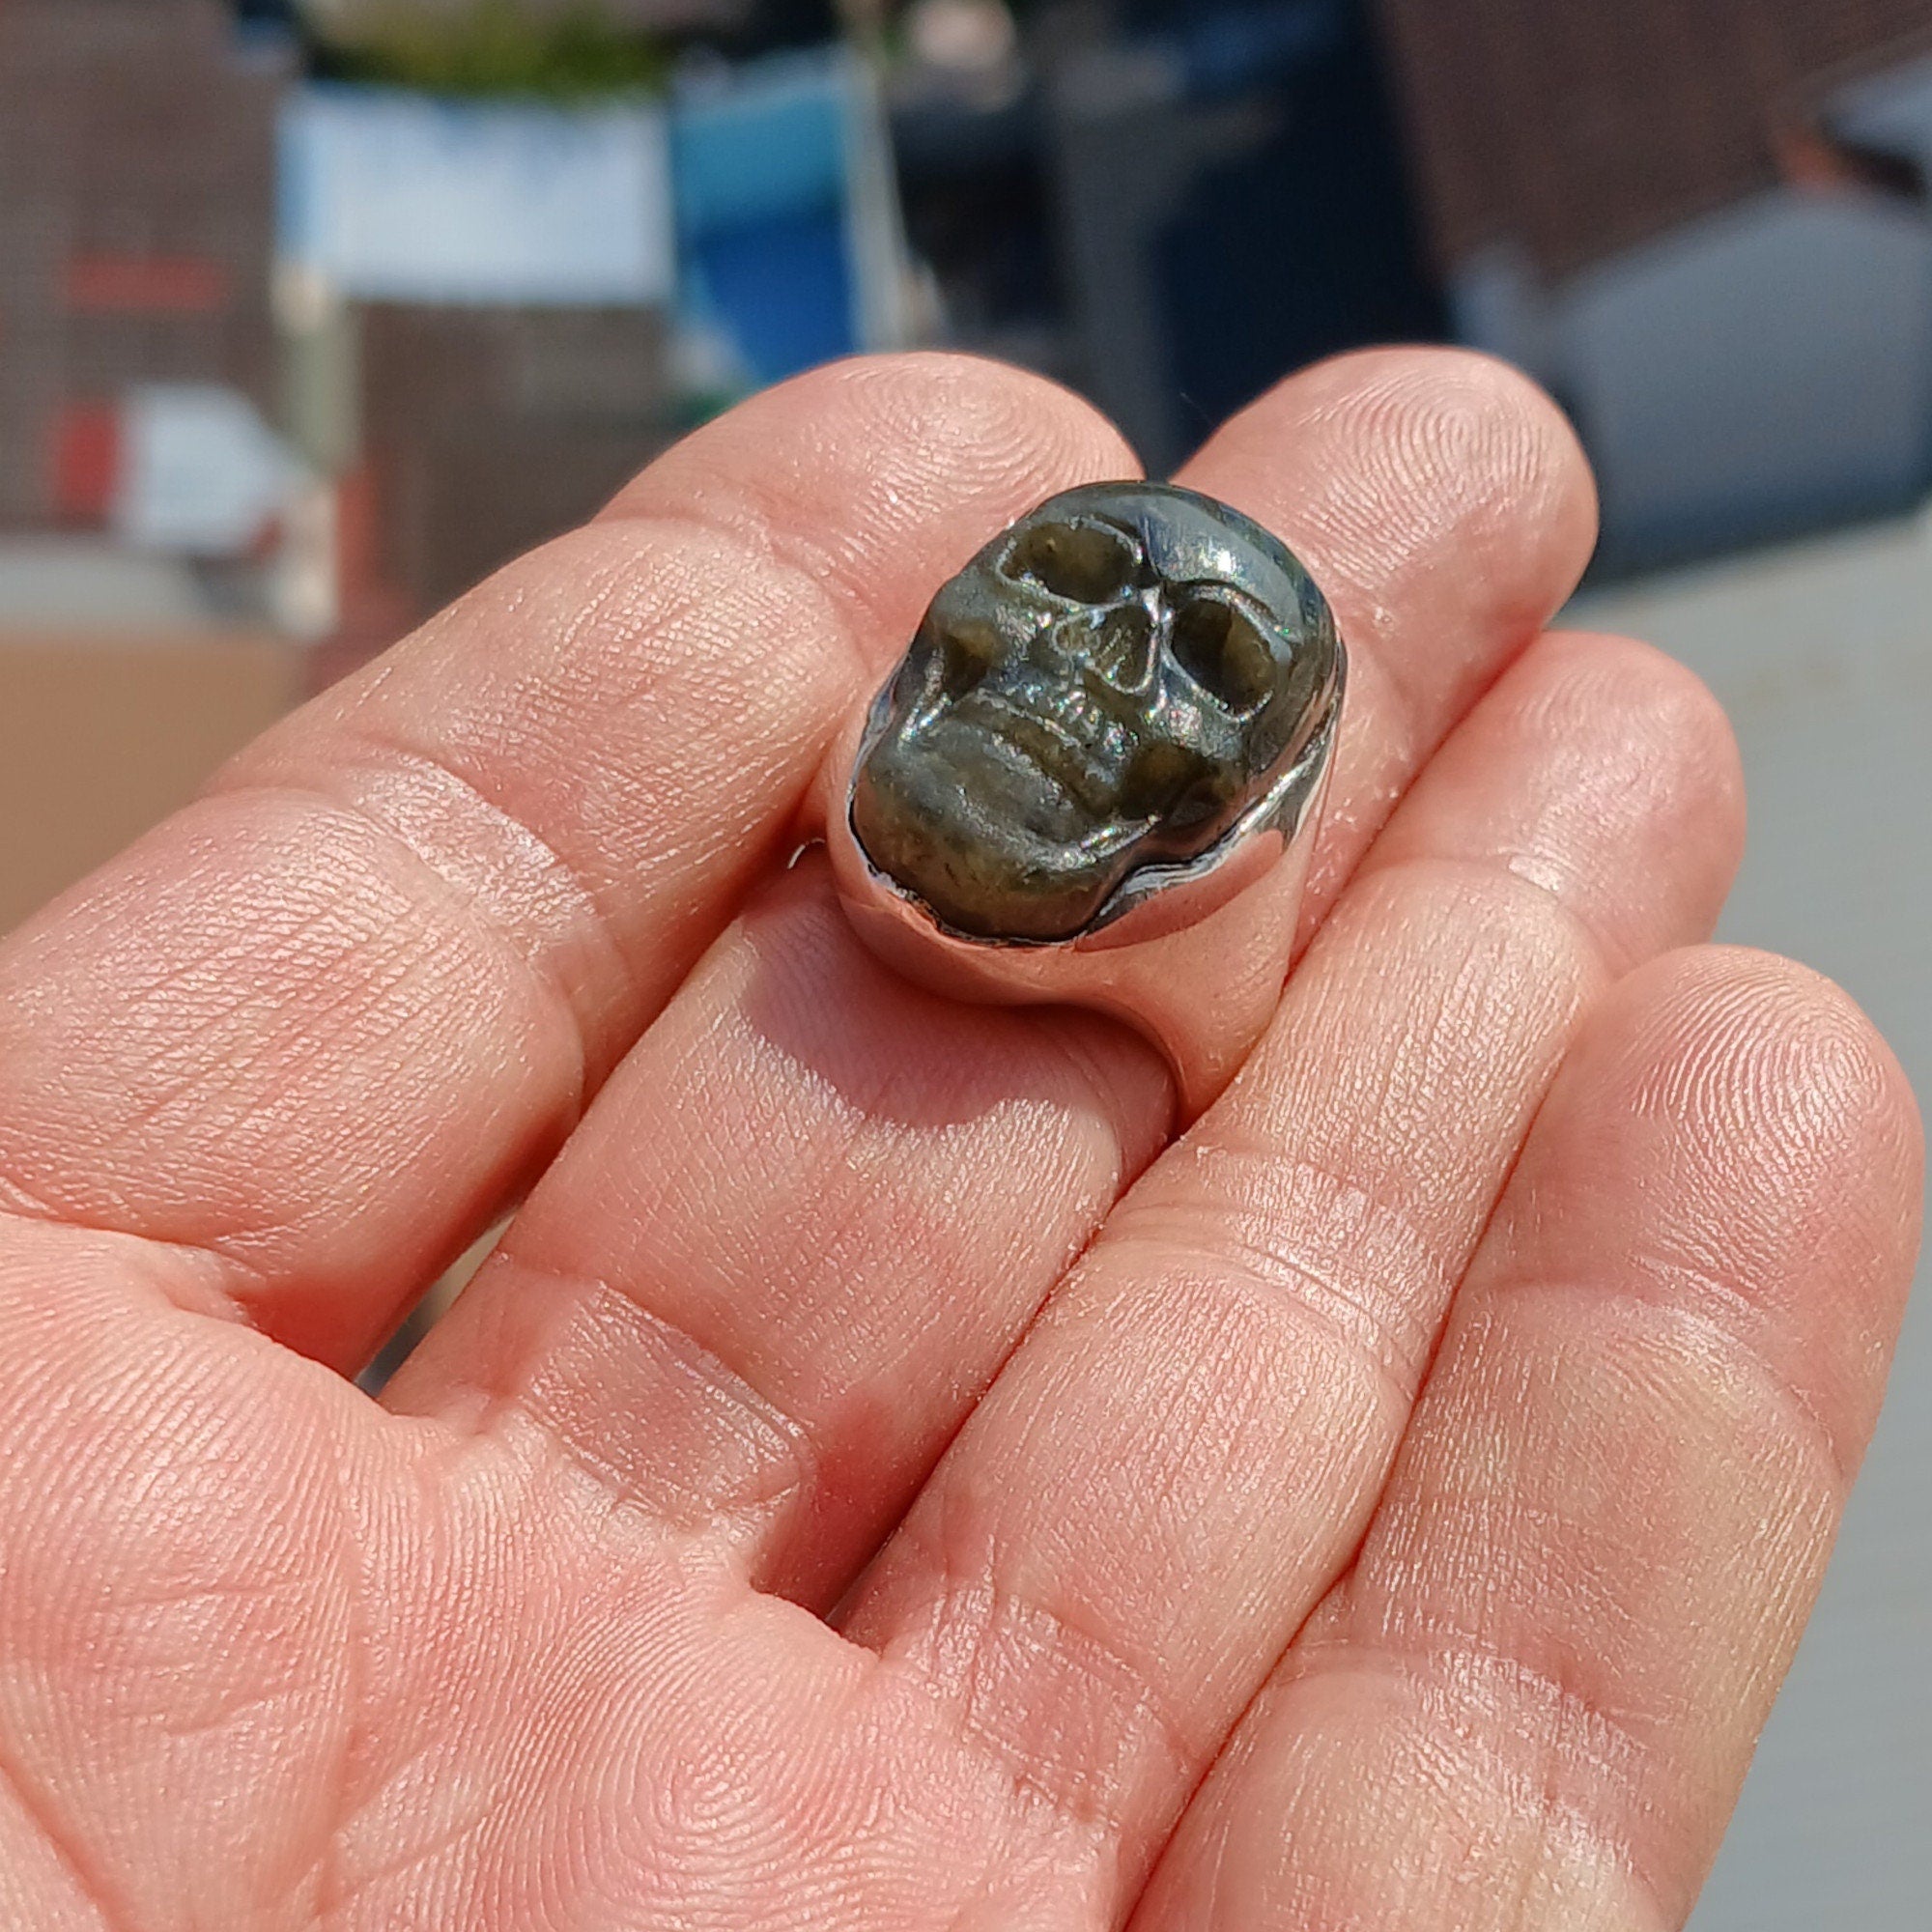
(1113, 684)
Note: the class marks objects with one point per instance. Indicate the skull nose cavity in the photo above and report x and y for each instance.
(1123, 647)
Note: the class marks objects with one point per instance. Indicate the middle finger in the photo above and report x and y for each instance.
(810, 1218)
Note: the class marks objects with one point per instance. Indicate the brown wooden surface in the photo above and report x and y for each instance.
(99, 737)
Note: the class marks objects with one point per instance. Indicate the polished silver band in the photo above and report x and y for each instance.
(1097, 777)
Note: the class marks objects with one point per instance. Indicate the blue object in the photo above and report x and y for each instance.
(764, 150)
(1233, 47)
(782, 290)
(762, 188)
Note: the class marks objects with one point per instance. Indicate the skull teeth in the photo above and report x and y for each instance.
(1048, 744)
(1074, 712)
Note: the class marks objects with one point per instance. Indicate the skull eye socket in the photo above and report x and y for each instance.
(1222, 650)
(968, 649)
(1080, 562)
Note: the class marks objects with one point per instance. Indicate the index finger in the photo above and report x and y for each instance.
(323, 1021)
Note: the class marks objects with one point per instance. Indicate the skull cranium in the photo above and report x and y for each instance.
(1113, 684)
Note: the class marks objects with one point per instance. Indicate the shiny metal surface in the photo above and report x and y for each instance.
(1095, 774)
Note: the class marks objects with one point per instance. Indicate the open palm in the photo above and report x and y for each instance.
(883, 1481)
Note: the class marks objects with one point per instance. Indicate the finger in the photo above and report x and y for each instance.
(1533, 1699)
(811, 1215)
(1179, 1459)
(1423, 600)
(320, 1022)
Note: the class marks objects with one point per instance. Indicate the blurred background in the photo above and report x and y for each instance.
(312, 314)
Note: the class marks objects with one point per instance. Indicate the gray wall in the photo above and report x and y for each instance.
(1765, 370)
(1823, 655)
(1891, 112)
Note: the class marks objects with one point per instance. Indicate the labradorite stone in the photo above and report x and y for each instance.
(1111, 685)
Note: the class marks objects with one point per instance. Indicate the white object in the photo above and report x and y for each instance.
(966, 36)
(394, 197)
(201, 473)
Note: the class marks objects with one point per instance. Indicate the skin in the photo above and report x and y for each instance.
(882, 1481)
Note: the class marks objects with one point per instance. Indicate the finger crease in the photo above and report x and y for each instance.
(1740, 1355)
(536, 972)
(982, 1642)
(1283, 1287)
(1532, 1722)
(796, 561)
(1502, 870)
(756, 1461)
(237, 1283)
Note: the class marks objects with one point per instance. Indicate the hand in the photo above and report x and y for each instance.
(878, 1484)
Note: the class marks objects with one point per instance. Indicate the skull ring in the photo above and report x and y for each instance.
(1094, 775)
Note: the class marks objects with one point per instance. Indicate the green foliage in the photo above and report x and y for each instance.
(495, 48)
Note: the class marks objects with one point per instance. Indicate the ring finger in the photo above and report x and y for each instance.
(1183, 1453)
